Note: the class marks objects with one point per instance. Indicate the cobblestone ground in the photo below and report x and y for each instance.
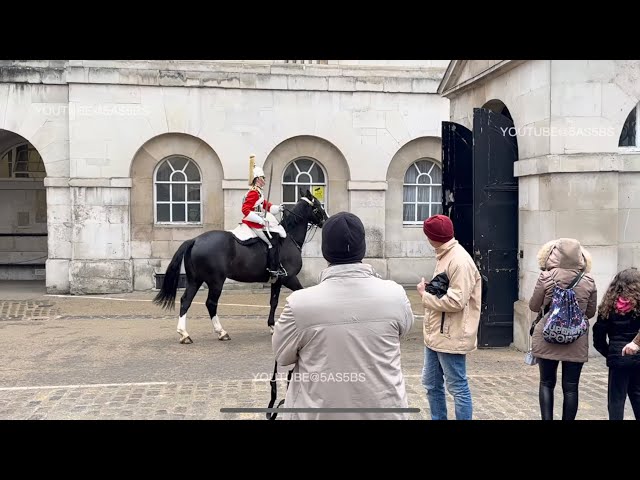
(27, 310)
(118, 358)
(496, 397)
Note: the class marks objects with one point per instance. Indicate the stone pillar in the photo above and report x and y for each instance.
(557, 200)
(59, 229)
(101, 253)
(629, 219)
(367, 201)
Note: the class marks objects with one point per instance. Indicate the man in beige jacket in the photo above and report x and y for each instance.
(450, 322)
(342, 336)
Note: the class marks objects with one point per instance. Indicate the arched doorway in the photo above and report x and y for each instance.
(23, 211)
(480, 194)
(497, 106)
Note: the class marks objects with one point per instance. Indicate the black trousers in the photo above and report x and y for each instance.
(570, 380)
(623, 382)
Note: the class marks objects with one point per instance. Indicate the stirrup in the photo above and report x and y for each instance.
(281, 272)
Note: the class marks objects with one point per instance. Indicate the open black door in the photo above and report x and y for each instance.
(457, 181)
(495, 236)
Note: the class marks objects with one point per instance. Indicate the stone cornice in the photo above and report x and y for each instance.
(119, 182)
(449, 86)
(219, 74)
(577, 163)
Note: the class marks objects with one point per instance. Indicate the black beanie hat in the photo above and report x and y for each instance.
(343, 239)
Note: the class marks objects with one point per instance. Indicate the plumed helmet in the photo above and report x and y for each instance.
(254, 171)
(257, 172)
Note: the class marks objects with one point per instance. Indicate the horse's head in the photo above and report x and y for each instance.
(318, 215)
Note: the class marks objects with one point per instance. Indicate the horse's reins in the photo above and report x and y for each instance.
(273, 382)
(274, 392)
(315, 227)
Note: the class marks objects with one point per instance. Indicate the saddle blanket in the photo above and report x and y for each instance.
(243, 232)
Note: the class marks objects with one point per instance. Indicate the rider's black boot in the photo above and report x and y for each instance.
(275, 269)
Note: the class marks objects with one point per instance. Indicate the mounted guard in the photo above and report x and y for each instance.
(255, 209)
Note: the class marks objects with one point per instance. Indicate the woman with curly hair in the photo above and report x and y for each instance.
(563, 262)
(617, 324)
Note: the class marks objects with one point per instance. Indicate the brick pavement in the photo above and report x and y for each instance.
(496, 397)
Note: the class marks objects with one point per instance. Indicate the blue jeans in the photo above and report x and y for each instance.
(450, 368)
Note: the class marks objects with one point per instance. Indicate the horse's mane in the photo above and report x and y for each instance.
(291, 218)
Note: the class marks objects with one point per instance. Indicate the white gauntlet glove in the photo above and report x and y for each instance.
(254, 217)
(276, 209)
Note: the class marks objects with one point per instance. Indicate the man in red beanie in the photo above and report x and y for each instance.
(451, 322)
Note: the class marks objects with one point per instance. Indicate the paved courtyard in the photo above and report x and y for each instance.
(118, 357)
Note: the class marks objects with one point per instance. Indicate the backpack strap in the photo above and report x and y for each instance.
(576, 280)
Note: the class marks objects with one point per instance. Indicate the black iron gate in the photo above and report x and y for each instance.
(457, 181)
(480, 194)
(495, 245)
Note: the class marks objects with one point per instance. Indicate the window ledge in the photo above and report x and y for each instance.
(179, 225)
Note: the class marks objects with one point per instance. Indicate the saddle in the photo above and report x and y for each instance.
(245, 235)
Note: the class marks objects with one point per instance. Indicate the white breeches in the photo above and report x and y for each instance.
(262, 236)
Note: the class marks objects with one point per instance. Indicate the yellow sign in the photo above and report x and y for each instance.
(318, 192)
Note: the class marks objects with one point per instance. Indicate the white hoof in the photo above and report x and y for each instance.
(270, 329)
(223, 336)
(184, 337)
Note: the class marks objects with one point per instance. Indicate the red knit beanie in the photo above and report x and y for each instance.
(438, 228)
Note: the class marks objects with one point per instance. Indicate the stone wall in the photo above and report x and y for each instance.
(102, 127)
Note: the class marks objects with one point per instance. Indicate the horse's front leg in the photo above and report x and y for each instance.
(275, 294)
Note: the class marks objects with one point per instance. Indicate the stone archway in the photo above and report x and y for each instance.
(498, 106)
(154, 237)
(408, 254)
(317, 149)
(333, 164)
(24, 242)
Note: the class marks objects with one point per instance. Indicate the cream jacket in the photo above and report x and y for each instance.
(458, 332)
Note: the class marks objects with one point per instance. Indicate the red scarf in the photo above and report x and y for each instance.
(623, 305)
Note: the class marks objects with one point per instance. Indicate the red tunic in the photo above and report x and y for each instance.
(252, 200)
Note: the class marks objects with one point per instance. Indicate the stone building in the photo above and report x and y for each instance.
(570, 130)
(107, 166)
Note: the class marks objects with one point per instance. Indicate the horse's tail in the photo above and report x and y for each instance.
(166, 297)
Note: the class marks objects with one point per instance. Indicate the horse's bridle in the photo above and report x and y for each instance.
(313, 225)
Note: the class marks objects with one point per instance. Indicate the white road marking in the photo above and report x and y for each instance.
(193, 303)
(146, 300)
(89, 385)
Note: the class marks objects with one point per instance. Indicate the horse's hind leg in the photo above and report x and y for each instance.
(212, 305)
(185, 303)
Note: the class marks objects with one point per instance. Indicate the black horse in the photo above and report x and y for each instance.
(214, 256)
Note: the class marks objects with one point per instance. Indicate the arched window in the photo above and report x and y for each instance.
(21, 161)
(422, 196)
(177, 191)
(303, 174)
(629, 135)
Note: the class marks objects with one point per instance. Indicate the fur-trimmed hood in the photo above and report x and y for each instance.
(564, 253)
